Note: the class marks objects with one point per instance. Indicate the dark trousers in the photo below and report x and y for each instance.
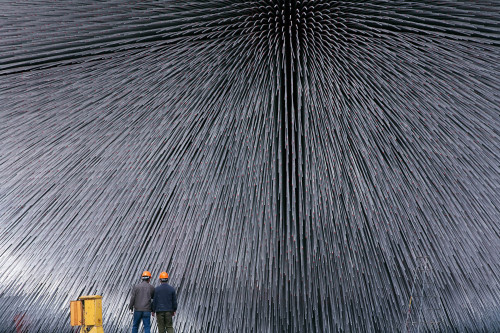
(165, 323)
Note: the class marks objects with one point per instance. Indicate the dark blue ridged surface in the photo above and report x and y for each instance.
(288, 163)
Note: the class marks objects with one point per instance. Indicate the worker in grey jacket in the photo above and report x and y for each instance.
(165, 305)
(140, 302)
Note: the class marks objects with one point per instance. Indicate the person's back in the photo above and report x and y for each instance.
(140, 303)
(142, 294)
(164, 304)
(165, 298)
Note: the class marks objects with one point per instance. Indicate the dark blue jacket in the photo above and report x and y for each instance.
(165, 298)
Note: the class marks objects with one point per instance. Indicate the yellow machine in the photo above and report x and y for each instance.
(87, 312)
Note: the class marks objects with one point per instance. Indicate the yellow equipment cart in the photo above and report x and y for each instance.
(87, 312)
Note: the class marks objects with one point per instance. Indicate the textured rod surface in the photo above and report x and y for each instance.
(295, 166)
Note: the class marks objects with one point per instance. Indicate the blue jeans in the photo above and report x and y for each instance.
(146, 321)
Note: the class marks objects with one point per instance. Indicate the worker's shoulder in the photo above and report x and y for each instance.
(160, 287)
(170, 288)
(165, 286)
(143, 286)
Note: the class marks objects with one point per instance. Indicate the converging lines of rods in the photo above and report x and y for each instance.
(309, 166)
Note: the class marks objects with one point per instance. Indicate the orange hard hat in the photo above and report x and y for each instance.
(146, 275)
(163, 275)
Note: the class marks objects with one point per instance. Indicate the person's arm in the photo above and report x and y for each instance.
(132, 300)
(153, 306)
(174, 301)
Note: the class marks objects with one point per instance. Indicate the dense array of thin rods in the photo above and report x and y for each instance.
(295, 166)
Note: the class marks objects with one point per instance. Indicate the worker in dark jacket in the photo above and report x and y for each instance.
(165, 305)
(140, 302)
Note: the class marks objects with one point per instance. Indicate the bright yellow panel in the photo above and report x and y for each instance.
(76, 313)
